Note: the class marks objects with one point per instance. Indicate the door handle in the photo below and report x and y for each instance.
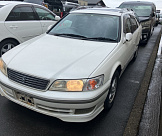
(13, 27)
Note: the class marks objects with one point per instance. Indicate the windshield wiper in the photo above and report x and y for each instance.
(100, 39)
(86, 38)
(71, 35)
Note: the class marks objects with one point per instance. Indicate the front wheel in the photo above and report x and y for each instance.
(6, 46)
(112, 91)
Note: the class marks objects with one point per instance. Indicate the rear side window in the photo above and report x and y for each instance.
(21, 14)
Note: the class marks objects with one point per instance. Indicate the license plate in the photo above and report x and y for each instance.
(24, 98)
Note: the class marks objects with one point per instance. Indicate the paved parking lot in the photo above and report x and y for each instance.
(150, 119)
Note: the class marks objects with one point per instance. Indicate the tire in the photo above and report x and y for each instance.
(135, 55)
(112, 92)
(6, 46)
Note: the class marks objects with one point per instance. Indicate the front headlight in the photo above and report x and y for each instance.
(77, 85)
(146, 23)
(3, 67)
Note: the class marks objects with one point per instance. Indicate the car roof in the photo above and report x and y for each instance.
(138, 2)
(111, 11)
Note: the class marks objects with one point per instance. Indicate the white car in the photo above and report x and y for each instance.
(72, 71)
(20, 21)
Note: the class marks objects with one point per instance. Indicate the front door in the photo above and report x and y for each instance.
(46, 18)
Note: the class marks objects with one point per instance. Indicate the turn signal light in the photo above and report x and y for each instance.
(93, 83)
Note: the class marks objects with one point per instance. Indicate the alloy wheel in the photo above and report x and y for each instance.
(6, 48)
(113, 90)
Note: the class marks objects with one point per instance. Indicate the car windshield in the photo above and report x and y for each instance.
(89, 27)
(141, 10)
(34, 1)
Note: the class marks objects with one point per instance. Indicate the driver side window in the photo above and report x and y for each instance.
(44, 14)
(128, 26)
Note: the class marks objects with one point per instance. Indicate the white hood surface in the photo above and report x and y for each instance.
(59, 58)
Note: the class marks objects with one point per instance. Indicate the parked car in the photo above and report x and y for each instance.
(21, 21)
(146, 12)
(160, 19)
(72, 71)
(55, 6)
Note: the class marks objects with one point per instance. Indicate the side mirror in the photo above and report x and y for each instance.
(129, 36)
(153, 14)
(57, 18)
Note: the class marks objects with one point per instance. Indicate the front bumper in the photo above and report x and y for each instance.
(71, 109)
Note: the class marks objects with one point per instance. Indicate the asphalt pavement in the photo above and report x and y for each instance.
(150, 122)
(123, 119)
(160, 61)
(144, 117)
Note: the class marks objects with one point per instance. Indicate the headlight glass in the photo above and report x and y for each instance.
(77, 85)
(3, 67)
(67, 85)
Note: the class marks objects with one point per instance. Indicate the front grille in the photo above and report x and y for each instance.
(27, 80)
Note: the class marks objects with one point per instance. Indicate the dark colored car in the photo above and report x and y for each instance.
(146, 12)
(55, 6)
(157, 18)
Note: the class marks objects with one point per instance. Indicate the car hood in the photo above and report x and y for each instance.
(59, 57)
(141, 19)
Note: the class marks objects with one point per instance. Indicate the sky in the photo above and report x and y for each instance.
(116, 3)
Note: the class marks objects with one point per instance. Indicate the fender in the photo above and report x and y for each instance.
(115, 67)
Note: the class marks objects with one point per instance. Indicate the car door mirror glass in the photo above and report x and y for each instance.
(129, 36)
(57, 18)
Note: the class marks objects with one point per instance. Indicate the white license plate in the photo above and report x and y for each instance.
(25, 99)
